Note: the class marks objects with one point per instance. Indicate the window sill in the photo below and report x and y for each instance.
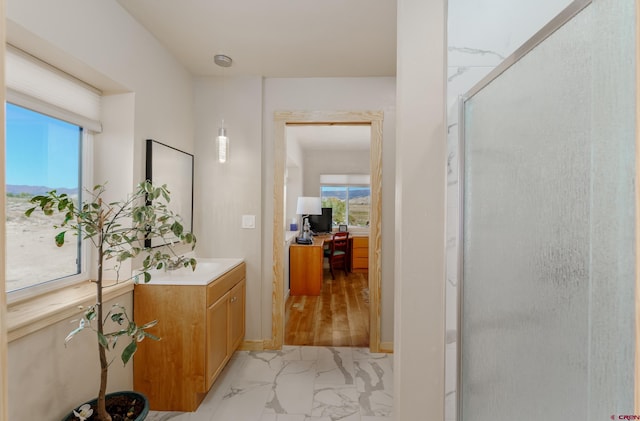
(31, 315)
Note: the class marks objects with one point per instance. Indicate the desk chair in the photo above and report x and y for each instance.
(337, 252)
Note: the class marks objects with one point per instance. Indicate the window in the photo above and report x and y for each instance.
(42, 153)
(351, 203)
(50, 120)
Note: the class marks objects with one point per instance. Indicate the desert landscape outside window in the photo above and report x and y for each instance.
(42, 153)
(351, 204)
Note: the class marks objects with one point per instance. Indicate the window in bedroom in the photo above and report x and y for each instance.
(350, 198)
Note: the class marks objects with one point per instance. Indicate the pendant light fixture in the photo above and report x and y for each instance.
(222, 140)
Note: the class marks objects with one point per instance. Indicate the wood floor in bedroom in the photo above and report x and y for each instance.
(339, 316)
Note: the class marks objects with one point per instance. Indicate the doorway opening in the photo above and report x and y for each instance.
(328, 304)
(374, 121)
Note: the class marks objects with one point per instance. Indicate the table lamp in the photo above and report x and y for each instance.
(307, 206)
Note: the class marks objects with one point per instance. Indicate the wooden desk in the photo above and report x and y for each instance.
(305, 267)
(306, 262)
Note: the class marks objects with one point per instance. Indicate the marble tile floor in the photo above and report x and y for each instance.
(298, 383)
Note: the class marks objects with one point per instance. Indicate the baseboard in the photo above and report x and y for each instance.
(251, 346)
(257, 345)
(386, 347)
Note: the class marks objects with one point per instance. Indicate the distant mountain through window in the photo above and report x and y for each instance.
(36, 190)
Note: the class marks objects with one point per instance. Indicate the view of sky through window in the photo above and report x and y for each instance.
(41, 150)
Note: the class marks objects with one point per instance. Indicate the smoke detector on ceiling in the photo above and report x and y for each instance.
(222, 60)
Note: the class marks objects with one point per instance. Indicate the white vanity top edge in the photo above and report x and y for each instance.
(207, 269)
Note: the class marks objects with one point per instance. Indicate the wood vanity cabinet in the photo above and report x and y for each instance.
(200, 327)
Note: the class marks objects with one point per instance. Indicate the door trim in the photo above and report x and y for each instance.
(373, 119)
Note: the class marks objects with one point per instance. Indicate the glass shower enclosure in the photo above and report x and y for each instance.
(548, 252)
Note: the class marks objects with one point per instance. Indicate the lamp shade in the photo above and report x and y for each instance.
(309, 206)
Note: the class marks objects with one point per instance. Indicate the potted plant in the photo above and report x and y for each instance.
(118, 231)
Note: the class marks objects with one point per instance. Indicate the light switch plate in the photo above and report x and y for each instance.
(248, 221)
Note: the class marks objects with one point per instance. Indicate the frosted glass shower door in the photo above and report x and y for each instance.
(547, 298)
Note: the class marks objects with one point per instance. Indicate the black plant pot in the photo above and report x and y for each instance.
(124, 400)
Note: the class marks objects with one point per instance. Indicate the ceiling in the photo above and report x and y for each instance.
(335, 138)
(275, 38)
(280, 38)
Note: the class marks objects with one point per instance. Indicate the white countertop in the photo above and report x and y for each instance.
(207, 269)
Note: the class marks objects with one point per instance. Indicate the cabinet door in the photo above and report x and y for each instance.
(217, 338)
(236, 315)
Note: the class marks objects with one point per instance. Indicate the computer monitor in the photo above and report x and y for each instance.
(321, 223)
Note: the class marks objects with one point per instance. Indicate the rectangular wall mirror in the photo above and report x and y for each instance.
(173, 167)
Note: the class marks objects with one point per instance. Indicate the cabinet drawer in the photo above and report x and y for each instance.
(360, 263)
(360, 252)
(360, 242)
(218, 288)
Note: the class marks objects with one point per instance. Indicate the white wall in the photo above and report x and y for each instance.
(152, 99)
(293, 183)
(331, 94)
(47, 379)
(331, 162)
(418, 365)
(225, 192)
(293, 190)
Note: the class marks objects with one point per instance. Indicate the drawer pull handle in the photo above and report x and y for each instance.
(234, 299)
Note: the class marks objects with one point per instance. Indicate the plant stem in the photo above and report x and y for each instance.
(103, 415)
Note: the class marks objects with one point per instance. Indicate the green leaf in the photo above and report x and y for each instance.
(147, 187)
(28, 212)
(74, 332)
(118, 318)
(118, 333)
(152, 337)
(149, 325)
(147, 277)
(176, 228)
(103, 340)
(124, 256)
(90, 314)
(68, 217)
(60, 238)
(128, 352)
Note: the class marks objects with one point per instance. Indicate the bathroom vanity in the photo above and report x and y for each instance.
(201, 322)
